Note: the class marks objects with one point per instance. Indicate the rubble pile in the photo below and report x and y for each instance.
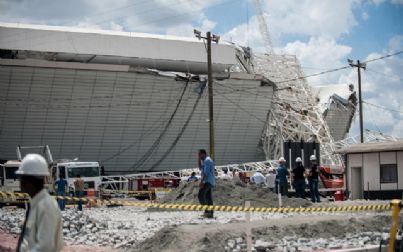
(230, 193)
(294, 243)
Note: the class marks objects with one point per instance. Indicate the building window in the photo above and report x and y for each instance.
(389, 173)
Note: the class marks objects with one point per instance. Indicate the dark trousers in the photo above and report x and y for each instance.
(61, 202)
(206, 198)
(281, 187)
(284, 189)
(314, 188)
(80, 194)
(299, 185)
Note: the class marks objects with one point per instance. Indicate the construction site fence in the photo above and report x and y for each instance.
(191, 207)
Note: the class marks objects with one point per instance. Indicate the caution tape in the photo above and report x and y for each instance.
(378, 207)
(129, 192)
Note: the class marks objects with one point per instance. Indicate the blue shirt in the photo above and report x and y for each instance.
(192, 178)
(282, 174)
(61, 185)
(208, 172)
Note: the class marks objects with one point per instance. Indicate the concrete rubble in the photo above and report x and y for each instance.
(293, 243)
(138, 229)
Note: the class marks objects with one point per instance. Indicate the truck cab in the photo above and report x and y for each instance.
(89, 172)
(8, 179)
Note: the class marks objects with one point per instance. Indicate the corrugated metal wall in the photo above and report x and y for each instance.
(115, 117)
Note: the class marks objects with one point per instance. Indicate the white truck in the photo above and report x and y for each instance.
(9, 182)
(69, 170)
(8, 179)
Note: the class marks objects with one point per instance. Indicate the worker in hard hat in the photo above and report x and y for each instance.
(313, 178)
(258, 178)
(282, 177)
(298, 178)
(42, 229)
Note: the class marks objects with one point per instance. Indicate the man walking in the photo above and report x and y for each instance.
(79, 188)
(314, 180)
(207, 182)
(299, 178)
(42, 229)
(282, 177)
(61, 185)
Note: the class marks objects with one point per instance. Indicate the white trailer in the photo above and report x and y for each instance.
(89, 172)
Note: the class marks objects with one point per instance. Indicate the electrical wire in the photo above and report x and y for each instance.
(384, 108)
(157, 142)
(241, 108)
(383, 57)
(386, 75)
(178, 137)
(142, 24)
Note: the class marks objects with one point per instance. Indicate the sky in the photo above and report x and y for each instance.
(323, 34)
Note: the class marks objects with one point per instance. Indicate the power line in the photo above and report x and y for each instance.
(383, 57)
(179, 136)
(142, 24)
(157, 142)
(384, 108)
(386, 75)
(241, 108)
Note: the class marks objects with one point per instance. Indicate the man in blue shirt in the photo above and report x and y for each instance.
(193, 177)
(281, 178)
(61, 185)
(207, 182)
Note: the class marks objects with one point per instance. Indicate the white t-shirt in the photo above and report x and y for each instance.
(226, 176)
(271, 180)
(258, 178)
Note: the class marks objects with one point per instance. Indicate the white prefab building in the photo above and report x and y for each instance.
(375, 170)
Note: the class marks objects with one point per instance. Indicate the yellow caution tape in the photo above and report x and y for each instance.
(378, 207)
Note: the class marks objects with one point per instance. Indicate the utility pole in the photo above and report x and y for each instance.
(359, 65)
(209, 38)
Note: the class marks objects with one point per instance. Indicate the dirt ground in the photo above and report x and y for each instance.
(212, 237)
(8, 243)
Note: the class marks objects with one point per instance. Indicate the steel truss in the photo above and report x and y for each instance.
(295, 113)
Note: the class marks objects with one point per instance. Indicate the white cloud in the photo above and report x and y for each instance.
(365, 15)
(382, 90)
(246, 35)
(396, 43)
(397, 1)
(317, 54)
(310, 17)
(153, 16)
(398, 129)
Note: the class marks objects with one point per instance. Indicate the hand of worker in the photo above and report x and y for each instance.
(201, 185)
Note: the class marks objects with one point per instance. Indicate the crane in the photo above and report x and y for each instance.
(264, 29)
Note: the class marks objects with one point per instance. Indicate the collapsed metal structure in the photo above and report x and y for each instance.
(295, 114)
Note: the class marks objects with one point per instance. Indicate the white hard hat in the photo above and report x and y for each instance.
(33, 165)
(298, 160)
(282, 159)
(259, 170)
(312, 158)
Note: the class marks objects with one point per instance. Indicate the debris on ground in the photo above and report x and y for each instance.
(230, 193)
(292, 234)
